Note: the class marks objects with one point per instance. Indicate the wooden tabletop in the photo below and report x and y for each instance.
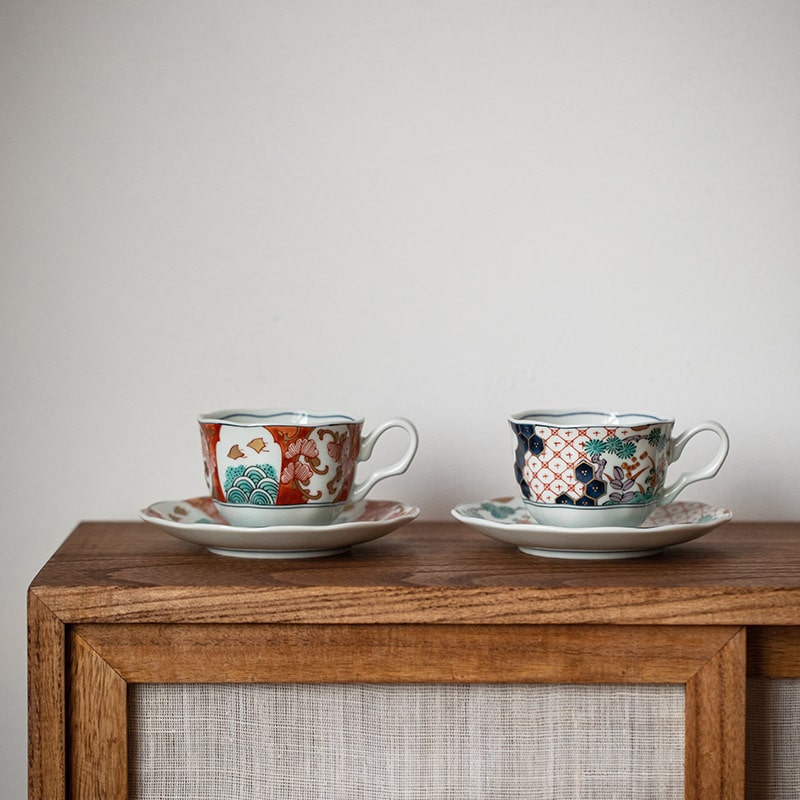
(432, 572)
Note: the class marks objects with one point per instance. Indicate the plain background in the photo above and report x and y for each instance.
(445, 210)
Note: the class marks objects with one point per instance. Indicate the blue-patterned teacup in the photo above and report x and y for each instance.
(599, 469)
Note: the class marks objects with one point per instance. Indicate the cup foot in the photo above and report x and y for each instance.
(568, 516)
(589, 555)
(251, 516)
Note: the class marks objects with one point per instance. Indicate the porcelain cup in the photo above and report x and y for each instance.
(284, 467)
(598, 469)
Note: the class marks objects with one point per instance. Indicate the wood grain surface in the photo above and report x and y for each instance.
(740, 574)
(715, 701)
(236, 653)
(773, 652)
(47, 736)
(98, 726)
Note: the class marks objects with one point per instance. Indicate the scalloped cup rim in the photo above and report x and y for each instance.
(581, 417)
(259, 417)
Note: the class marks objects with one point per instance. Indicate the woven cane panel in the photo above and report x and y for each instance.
(773, 739)
(366, 742)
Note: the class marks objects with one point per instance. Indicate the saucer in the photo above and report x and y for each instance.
(196, 520)
(506, 520)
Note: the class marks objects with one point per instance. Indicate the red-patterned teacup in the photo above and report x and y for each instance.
(599, 469)
(276, 467)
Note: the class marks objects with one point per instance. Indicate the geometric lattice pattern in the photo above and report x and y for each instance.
(561, 455)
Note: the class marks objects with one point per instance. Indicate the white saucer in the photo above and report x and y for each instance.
(196, 520)
(506, 520)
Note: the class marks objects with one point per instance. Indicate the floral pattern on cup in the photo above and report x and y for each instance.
(287, 465)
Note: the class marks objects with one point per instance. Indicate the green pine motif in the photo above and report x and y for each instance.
(626, 449)
(594, 447)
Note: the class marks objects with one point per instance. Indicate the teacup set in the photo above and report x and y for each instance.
(282, 484)
(592, 484)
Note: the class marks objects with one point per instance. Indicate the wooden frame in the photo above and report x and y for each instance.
(104, 659)
(773, 652)
(121, 603)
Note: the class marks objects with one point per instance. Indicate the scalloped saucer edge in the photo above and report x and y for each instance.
(506, 520)
(196, 520)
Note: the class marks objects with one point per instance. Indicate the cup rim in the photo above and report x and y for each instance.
(259, 418)
(581, 417)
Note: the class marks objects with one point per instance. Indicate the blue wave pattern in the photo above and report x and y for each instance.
(254, 485)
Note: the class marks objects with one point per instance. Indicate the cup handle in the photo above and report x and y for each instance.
(368, 443)
(668, 494)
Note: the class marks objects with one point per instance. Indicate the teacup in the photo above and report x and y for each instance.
(599, 469)
(275, 467)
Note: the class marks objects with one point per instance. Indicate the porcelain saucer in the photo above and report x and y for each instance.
(506, 520)
(196, 520)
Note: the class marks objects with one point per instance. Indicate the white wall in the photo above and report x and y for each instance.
(447, 210)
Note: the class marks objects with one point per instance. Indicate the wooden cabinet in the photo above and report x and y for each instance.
(122, 603)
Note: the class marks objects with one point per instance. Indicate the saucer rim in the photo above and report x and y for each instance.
(723, 515)
(407, 513)
(535, 539)
(281, 541)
